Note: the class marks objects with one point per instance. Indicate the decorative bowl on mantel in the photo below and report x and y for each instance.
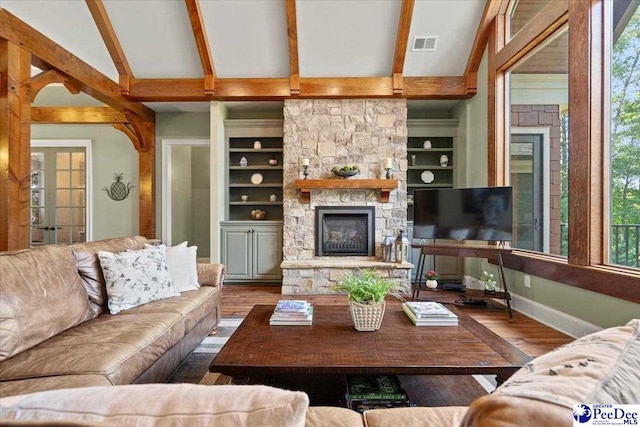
(345, 171)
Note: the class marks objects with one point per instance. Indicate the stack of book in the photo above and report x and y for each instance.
(427, 313)
(375, 392)
(292, 312)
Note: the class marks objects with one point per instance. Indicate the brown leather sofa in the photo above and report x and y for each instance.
(54, 335)
(601, 368)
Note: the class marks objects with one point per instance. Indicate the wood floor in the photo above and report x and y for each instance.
(528, 335)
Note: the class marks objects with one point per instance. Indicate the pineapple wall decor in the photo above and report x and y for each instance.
(118, 190)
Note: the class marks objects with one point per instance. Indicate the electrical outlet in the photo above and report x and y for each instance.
(527, 281)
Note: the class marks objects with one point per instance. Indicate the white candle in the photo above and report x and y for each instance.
(387, 163)
(305, 162)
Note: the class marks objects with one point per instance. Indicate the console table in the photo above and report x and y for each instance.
(493, 253)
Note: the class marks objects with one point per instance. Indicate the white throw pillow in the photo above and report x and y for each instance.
(135, 278)
(181, 261)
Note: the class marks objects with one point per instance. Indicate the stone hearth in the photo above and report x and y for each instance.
(339, 132)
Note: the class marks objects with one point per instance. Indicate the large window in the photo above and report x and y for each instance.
(538, 163)
(624, 237)
(576, 180)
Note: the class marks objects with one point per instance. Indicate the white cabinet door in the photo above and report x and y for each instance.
(237, 248)
(267, 253)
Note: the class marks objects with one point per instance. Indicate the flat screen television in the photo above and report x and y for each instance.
(463, 214)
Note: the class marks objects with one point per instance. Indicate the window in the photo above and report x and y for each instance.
(538, 163)
(522, 12)
(624, 199)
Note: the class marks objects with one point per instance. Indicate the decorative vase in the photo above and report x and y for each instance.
(367, 317)
(444, 160)
(490, 286)
(432, 284)
(257, 145)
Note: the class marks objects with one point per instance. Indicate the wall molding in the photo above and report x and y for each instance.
(553, 318)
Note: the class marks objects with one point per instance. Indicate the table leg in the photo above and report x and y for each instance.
(419, 271)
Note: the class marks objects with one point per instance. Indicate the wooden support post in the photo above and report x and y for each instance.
(146, 176)
(15, 146)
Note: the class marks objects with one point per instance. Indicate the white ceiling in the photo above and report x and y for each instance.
(248, 38)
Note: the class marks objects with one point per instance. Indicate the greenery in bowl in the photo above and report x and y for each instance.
(370, 287)
(346, 170)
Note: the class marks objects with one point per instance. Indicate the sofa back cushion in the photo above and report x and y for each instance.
(600, 368)
(41, 295)
(86, 255)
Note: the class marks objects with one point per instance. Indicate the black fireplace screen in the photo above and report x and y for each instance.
(345, 230)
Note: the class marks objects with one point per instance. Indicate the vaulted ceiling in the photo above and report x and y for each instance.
(198, 48)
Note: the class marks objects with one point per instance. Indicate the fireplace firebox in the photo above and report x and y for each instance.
(345, 230)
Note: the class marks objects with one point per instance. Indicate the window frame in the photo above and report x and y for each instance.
(585, 267)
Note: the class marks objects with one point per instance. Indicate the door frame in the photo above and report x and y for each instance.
(167, 144)
(88, 169)
(546, 176)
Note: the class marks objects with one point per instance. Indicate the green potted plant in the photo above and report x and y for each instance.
(432, 279)
(366, 297)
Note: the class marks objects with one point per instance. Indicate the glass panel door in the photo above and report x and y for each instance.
(58, 195)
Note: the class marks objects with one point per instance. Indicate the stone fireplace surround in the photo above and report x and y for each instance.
(338, 132)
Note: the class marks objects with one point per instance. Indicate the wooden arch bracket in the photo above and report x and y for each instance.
(48, 77)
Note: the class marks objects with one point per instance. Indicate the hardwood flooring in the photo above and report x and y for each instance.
(530, 336)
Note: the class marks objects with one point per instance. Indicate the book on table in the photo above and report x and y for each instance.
(429, 321)
(373, 392)
(429, 309)
(292, 313)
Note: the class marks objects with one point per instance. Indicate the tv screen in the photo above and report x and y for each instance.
(463, 213)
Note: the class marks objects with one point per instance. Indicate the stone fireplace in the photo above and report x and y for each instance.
(359, 132)
(345, 231)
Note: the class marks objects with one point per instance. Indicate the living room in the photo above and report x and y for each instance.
(577, 283)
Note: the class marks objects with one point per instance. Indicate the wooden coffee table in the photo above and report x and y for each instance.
(332, 346)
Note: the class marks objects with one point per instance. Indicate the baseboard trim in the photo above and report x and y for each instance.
(551, 317)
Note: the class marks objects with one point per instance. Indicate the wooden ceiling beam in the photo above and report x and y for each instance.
(45, 78)
(402, 39)
(101, 18)
(49, 55)
(292, 35)
(177, 90)
(77, 115)
(202, 42)
(491, 10)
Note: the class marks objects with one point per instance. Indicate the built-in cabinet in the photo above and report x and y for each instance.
(251, 250)
(428, 141)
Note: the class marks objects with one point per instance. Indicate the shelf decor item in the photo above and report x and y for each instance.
(427, 177)
(256, 178)
(273, 161)
(305, 167)
(489, 282)
(401, 247)
(431, 276)
(273, 198)
(257, 145)
(427, 144)
(244, 198)
(413, 160)
(346, 171)
(387, 248)
(366, 297)
(388, 166)
(444, 160)
(258, 214)
(244, 162)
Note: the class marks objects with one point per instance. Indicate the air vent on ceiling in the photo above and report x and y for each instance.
(424, 43)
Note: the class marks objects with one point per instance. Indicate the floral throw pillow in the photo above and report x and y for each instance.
(136, 277)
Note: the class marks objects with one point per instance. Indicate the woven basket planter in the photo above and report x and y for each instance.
(367, 317)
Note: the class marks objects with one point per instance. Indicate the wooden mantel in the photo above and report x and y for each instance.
(307, 185)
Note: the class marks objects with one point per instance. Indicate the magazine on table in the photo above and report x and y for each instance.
(433, 321)
(428, 309)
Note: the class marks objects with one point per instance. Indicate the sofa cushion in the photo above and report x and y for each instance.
(41, 295)
(120, 348)
(162, 405)
(181, 261)
(600, 368)
(193, 306)
(322, 416)
(444, 416)
(86, 255)
(136, 277)
(32, 385)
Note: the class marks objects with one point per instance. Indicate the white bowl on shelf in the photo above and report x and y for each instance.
(256, 178)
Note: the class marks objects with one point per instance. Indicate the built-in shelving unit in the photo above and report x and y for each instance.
(265, 162)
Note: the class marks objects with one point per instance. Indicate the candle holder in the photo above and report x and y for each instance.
(305, 172)
(389, 174)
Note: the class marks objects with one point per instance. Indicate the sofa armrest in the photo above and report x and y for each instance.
(210, 274)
